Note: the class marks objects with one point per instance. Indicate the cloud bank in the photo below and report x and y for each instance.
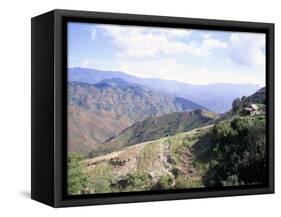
(247, 49)
(154, 42)
(191, 56)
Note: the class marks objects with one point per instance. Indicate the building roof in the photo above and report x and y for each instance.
(254, 106)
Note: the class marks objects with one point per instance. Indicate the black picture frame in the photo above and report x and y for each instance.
(49, 104)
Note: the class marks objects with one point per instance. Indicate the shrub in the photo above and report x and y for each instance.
(239, 152)
(182, 182)
(77, 179)
(231, 181)
(236, 106)
(136, 181)
(165, 182)
(101, 178)
(177, 144)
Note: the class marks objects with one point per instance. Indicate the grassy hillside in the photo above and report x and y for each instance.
(158, 164)
(157, 127)
(179, 150)
(229, 153)
(258, 97)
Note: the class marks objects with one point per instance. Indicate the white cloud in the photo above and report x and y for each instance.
(86, 63)
(247, 49)
(207, 35)
(211, 43)
(172, 33)
(170, 69)
(146, 42)
(150, 53)
(164, 68)
(95, 64)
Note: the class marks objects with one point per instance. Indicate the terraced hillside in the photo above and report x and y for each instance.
(163, 163)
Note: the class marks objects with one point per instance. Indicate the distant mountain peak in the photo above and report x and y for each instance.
(257, 97)
(102, 85)
(116, 82)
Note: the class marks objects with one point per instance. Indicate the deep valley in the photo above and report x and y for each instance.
(126, 136)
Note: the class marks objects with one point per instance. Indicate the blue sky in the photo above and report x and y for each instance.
(185, 55)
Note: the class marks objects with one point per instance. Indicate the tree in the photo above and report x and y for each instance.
(236, 106)
(239, 153)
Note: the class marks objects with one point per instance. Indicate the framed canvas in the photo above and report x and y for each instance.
(134, 108)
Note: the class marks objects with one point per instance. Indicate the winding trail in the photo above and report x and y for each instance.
(164, 153)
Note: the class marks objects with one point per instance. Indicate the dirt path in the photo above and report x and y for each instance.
(126, 154)
(187, 167)
(164, 153)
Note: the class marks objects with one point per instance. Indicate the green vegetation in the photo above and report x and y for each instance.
(258, 97)
(238, 151)
(182, 182)
(135, 181)
(148, 156)
(153, 128)
(165, 182)
(177, 144)
(230, 151)
(101, 178)
(237, 106)
(98, 112)
(202, 152)
(77, 180)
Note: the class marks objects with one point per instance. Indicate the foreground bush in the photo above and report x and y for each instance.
(77, 179)
(239, 152)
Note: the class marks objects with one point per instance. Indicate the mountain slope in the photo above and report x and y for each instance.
(135, 102)
(116, 82)
(229, 152)
(164, 163)
(258, 97)
(87, 131)
(202, 157)
(216, 97)
(157, 127)
(98, 112)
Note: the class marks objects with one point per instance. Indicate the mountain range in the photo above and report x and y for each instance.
(182, 150)
(215, 97)
(102, 110)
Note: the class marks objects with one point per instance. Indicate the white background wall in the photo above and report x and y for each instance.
(15, 106)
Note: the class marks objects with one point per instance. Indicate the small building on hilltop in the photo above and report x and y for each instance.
(251, 109)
